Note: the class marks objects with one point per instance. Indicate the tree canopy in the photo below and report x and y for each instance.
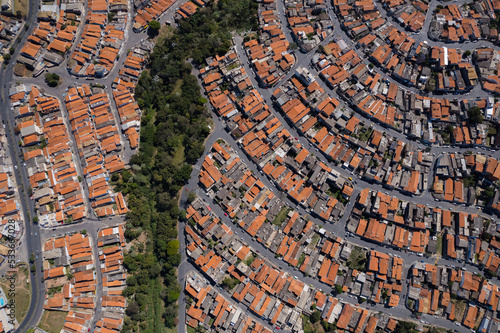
(153, 27)
(174, 125)
(475, 115)
(52, 79)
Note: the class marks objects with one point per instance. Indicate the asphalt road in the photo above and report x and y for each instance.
(31, 237)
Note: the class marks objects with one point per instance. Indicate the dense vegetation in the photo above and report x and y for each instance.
(52, 79)
(174, 126)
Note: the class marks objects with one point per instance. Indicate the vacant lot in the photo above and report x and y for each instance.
(23, 292)
(281, 217)
(357, 259)
(460, 306)
(21, 7)
(21, 70)
(53, 321)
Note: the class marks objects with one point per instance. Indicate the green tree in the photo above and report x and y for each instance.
(191, 197)
(52, 79)
(131, 281)
(475, 115)
(338, 289)
(173, 247)
(487, 194)
(153, 28)
(315, 316)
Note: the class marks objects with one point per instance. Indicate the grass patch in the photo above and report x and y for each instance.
(177, 87)
(301, 260)
(190, 329)
(54, 290)
(229, 283)
(357, 259)
(53, 321)
(314, 241)
(21, 6)
(281, 217)
(249, 260)
(364, 134)
(470, 181)
(439, 245)
(23, 292)
(166, 31)
(178, 157)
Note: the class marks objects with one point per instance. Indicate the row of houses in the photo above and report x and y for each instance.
(148, 10)
(409, 14)
(129, 74)
(396, 52)
(289, 235)
(487, 59)
(459, 23)
(49, 161)
(267, 142)
(123, 89)
(11, 220)
(10, 27)
(309, 21)
(431, 120)
(101, 39)
(277, 297)
(466, 179)
(455, 294)
(269, 55)
(111, 243)
(188, 8)
(53, 37)
(70, 280)
(99, 145)
(451, 170)
(206, 305)
(9, 197)
(406, 226)
(347, 141)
